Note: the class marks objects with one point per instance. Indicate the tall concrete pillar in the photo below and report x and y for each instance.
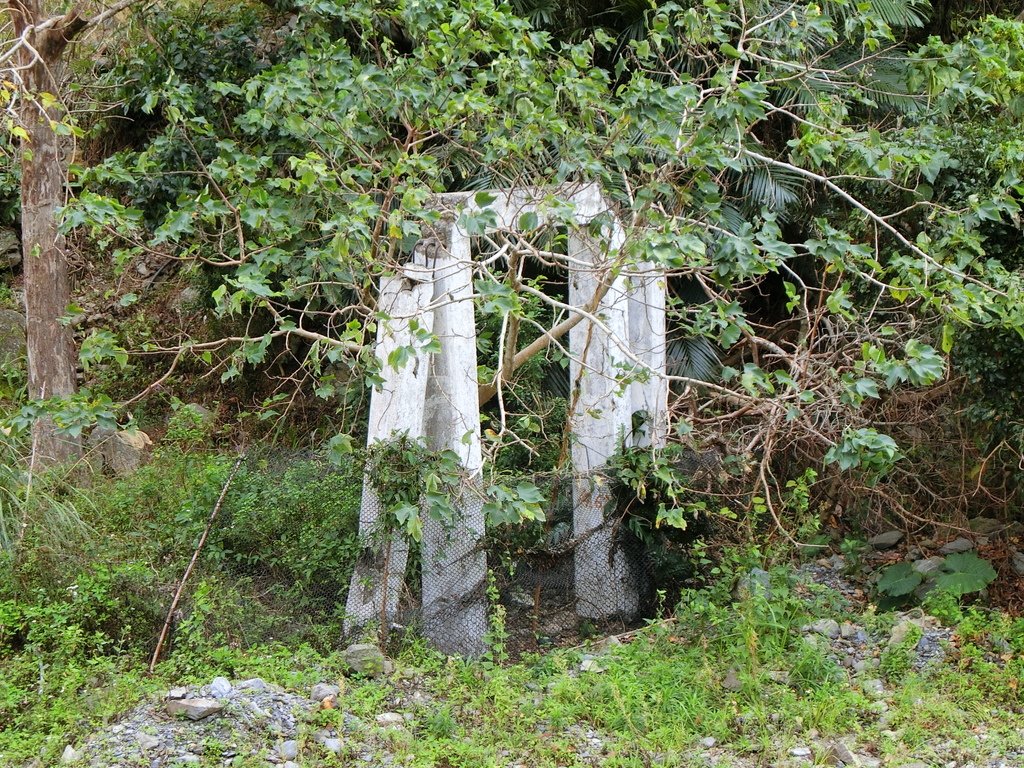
(454, 562)
(396, 407)
(607, 578)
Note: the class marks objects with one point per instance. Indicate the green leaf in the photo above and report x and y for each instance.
(899, 579)
(965, 572)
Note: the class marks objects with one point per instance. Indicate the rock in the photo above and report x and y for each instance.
(367, 660)
(190, 299)
(119, 452)
(390, 720)
(869, 762)
(800, 751)
(957, 545)
(606, 644)
(873, 688)
(220, 687)
(177, 693)
(913, 765)
(1017, 562)
(849, 631)
(148, 741)
(288, 750)
(756, 582)
(332, 745)
(253, 684)
(732, 681)
(289, 764)
(837, 753)
(591, 664)
(985, 526)
(203, 415)
(12, 337)
(827, 627)
(929, 565)
(886, 540)
(193, 709)
(901, 631)
(709, 742)
(69, 755)
(10, 248)
(322, 691)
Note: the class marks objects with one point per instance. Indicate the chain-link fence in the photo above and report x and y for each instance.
(287, 545)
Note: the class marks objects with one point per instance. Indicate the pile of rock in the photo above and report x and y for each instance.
(244, 722)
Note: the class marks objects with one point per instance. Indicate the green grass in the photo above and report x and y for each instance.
(78, 613)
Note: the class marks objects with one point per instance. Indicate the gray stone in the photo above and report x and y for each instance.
(591, 664)
(69, 755)
(732, 681)
(203, 414)
(914, 765)
(957, 545)
(253, 684)
(837, 753)
(289, 764)
(985, 526)
(849, 631)
(367, 660)
(756, 582)
(869, 762)
(827, 627)
(901, 631)
(148, 741)
(800, 751)
(190, 299)
(194, 709)
(12, 337)
(929, 565)
(10, 248)
(288, 750)
(177, 693)
(709, 742)
(873, 688)
(1017, 561)
(332, 745)
(322, 690)
(220, 687)
(886, 540)
(119, 452)
(390, 720)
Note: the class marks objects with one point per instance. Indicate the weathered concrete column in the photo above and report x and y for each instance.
(607, 576)
(647, 341)
(395, 408)
(454, 562)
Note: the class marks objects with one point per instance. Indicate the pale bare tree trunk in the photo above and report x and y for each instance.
(52, 360)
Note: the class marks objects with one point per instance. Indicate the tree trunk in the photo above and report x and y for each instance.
(51, 354)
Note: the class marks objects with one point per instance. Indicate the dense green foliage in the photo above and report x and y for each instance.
(833, 194)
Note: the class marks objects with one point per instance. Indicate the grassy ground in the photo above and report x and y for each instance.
(657, 698)
(713, 681)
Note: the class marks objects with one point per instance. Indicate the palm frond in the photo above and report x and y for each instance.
(693, 357)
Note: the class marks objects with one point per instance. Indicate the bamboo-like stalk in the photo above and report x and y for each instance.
(192, 564)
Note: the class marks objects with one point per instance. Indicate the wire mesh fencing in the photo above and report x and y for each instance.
(287, 545)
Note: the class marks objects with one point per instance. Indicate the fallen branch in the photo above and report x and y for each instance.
(192, 563)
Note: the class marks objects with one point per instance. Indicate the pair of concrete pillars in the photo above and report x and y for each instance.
(617, 368)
